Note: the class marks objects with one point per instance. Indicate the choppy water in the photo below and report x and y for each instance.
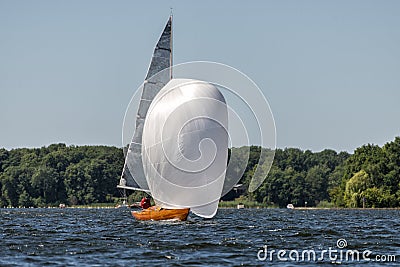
(111, 237)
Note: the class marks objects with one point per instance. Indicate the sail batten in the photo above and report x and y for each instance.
(132, 175)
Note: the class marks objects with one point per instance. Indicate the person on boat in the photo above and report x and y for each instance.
(145, 203)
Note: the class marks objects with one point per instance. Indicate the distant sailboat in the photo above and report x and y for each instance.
(163, 158)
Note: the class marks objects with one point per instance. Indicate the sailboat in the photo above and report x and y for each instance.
(170, 156)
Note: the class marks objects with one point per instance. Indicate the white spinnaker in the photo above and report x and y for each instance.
(185, 146)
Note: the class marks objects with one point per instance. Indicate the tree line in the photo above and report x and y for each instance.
(370, 177)
(59, 174)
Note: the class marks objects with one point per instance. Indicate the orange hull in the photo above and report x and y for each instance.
(157, 214)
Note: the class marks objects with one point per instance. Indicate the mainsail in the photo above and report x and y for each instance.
(158, 75)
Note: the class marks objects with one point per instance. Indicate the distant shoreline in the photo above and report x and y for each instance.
(340, 208)
(230, 207)
(312, 208)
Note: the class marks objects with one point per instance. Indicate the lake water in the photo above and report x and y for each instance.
(248, 237)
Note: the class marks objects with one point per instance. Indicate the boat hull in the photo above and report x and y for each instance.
(157, 214)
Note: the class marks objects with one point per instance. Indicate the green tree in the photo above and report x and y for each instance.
(317, 184)
(25, 200)
(379, 198)
(75, 186)
(9, 191)
(355, 187)
(3, 157)
(45, 184)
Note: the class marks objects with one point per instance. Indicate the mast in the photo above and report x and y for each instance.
(132, 176)
(170, 47)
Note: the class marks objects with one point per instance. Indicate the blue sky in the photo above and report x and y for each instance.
(329, 69)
